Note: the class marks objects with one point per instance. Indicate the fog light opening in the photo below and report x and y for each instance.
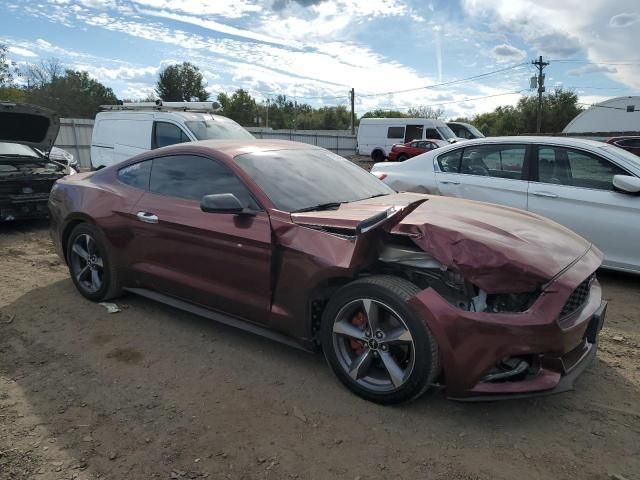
(511, 369)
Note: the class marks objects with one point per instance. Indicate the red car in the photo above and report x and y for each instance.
(630, 144)
(402, 151)
(401, 291)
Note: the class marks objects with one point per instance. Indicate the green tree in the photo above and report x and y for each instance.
(239, 106)
(380, 113)
(425, 112)
(181, 83)
(72, 94)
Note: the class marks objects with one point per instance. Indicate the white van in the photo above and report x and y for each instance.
(376, 136)
(126, 130)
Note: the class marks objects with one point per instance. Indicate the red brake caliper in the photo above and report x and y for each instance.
(359, 320)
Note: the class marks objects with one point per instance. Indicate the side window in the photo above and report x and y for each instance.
(191, 177)
(501, 161)
(574, 168)
(590, 171)
(629, 143)
(165, 133)
(395, 132)
(450, 161)
(136, 175)
(432, 133)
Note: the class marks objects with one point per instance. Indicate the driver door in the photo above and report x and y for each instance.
(218, 260)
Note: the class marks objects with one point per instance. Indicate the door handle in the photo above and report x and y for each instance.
(545, 194)
(147, 217)
(452, 182)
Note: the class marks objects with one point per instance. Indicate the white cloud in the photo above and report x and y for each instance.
(624, 20)
(507, 52)
(22, 52)
(562, 29)
(224, 8)
(587, 69)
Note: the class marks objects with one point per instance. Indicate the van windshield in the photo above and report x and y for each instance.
(446, 132)
(217, 130)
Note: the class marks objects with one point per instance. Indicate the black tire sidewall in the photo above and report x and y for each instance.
(107, 279)
(422, 373)
(402, 158)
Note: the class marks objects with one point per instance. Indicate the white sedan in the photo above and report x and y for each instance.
(590, 187)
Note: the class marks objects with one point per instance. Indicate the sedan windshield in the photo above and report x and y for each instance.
(621, 153)
(17, 149)
(302, 179)
(217, 130)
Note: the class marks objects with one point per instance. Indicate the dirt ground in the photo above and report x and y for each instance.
(152, 392)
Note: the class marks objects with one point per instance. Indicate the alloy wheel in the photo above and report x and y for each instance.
(373, 345)
(86, 263)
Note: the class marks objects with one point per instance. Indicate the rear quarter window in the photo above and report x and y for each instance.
(136, 175)
(395, 132)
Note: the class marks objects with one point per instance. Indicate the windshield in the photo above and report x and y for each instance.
(300, 179)
(446, 132)
(475, 131)
(623, 154)
(11, 149)
(217, 130)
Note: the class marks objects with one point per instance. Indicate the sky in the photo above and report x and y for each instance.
(396, 54)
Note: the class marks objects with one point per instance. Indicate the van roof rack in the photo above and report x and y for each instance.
(160, 106)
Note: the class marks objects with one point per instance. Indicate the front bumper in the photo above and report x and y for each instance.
(473, 343)
(24, 206)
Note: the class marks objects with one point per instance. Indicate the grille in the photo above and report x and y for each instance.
(578, 297)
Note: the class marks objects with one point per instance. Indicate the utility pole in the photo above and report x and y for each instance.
(540, 64)
(353, 111)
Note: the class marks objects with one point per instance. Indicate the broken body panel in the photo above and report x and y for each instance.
(469, 259)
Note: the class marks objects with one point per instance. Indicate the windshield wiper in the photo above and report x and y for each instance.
(322, 206)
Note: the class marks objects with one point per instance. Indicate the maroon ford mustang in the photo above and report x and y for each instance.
(401, 291)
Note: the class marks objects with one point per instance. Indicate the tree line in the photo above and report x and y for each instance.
(74, 93)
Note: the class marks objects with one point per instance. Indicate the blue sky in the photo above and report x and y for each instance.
(316, 50)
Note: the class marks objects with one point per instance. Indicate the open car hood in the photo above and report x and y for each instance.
(499, 249)
(29, 125)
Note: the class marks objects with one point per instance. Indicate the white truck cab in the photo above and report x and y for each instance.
(122, 131)
(376, 136)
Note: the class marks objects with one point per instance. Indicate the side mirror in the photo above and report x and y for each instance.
(626, 183)
(223, 203)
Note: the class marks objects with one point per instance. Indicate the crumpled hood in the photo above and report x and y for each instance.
(29, 125)
(499, 249)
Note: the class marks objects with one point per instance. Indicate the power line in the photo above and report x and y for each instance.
(455, 101)
(452, 82)
(587, 62)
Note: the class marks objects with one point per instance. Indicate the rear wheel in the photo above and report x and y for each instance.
(375, 344)
(402, 157)
(377, 156)
(90, 265)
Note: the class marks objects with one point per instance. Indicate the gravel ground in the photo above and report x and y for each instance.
(153, 392)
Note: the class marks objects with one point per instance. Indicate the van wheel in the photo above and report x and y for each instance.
(377, 156)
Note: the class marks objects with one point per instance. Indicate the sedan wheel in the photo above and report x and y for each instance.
(375, 343)
(86, 263)
(90, 265)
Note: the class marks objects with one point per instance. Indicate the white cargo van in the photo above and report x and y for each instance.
(123, 131)
(376, 136)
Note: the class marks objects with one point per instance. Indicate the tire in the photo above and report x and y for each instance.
(361, 362)
(377, 156)
(402, 157)
(89, 258)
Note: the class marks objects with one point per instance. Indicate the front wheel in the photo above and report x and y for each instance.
(90, 266)
(374, 342)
